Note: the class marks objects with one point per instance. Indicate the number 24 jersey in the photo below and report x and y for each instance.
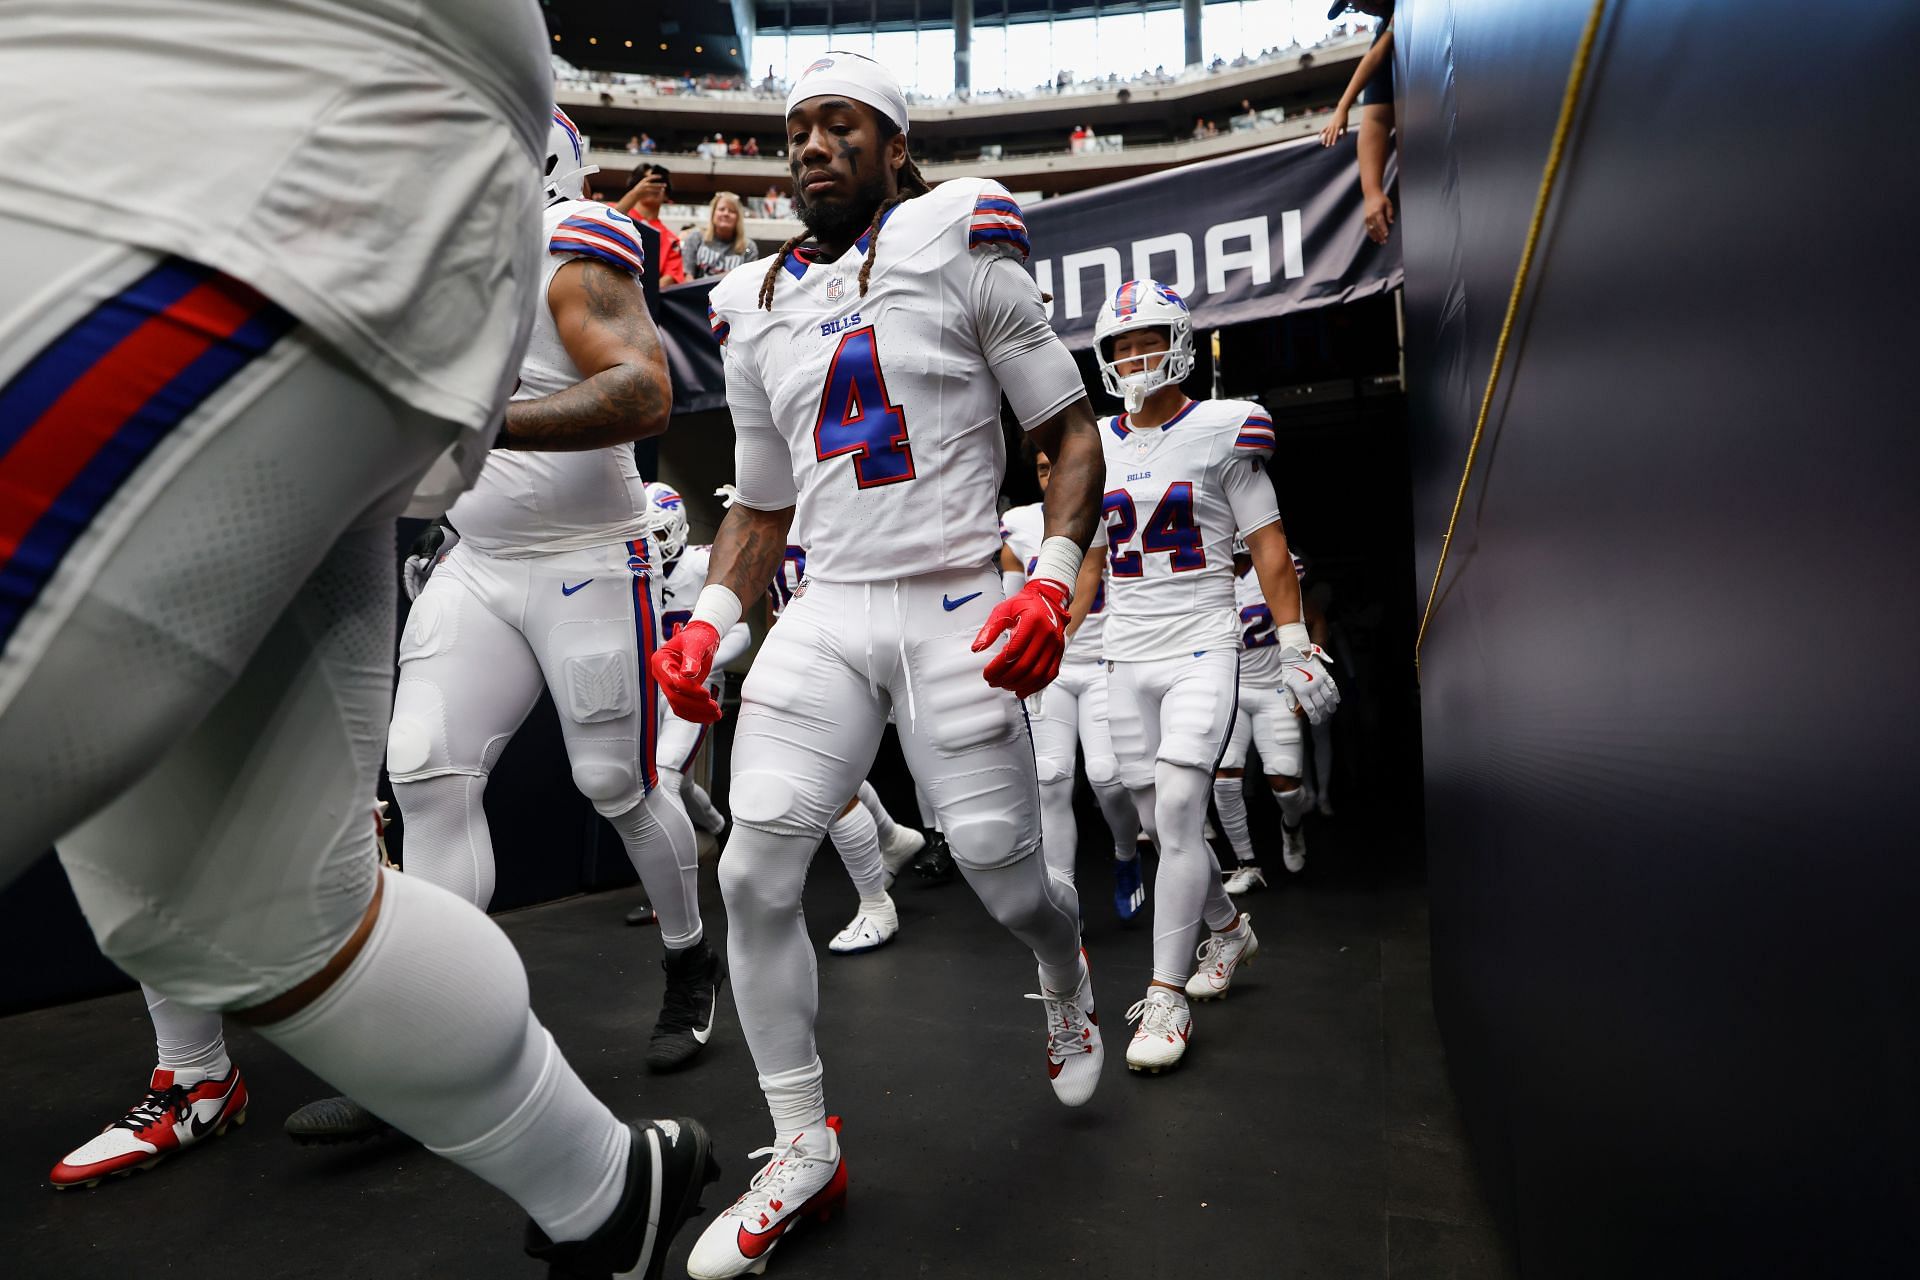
(1175, 497)
(887, 404)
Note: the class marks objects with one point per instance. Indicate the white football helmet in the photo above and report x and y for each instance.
(669, 515)
(567, 167)
(1144, 304)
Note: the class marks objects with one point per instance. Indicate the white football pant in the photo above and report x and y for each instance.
(1068, 716)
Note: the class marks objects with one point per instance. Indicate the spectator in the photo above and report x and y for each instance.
(1077, 140)
(1372, 85)
(1199, 128)
(647, 145)
(653, 187)
(633, 146)
(752, 148)
(733, 146)
(722, 243)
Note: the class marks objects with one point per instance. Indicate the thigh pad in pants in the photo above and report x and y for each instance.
(1276, 730)
(1197, 709)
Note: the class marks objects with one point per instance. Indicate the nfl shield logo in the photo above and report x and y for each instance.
(836, 285)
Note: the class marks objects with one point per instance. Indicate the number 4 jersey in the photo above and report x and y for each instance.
(1175, 497)
(878, 417)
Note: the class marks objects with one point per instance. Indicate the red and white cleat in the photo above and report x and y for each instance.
(807, 1178)
(1075, 1053)
(171, 1118)
(1220, 956)
(1166, 1025)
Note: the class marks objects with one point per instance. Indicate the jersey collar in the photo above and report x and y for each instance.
(1122, 428)
(805, 256)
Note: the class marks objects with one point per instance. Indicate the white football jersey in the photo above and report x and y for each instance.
(370, 165)
(680, 587)
(1175, 497)
(887, 404)
(1259, 634)
(786, 583)
(531, 503)
(1023, 529)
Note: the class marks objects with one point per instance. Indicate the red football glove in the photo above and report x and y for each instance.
(1034, 620)
(682, 665)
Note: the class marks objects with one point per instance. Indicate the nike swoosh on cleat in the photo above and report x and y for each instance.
(1053, 1069)
(950, 605)
(754, 1243)
(702, 1033)
(566, 590)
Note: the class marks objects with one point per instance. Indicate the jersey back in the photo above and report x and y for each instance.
(1169, 518)
(1023, 529)
(886, 403)
(527, 502)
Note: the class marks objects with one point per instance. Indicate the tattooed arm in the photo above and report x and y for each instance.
(602, 319)
(748, 549)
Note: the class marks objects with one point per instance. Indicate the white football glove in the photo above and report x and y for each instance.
(1304, 674)
(428, 550)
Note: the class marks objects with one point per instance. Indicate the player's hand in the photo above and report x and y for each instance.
(428, 550)
(1304, 675)
(1034, 620)
(1336, 127)
(682, 665)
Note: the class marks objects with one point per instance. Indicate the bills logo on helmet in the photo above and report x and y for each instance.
(669, 499)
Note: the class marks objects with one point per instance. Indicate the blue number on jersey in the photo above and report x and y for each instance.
(1171, 530)
(1116, 509)
(856, 416)
(673, 619)
(1260, 632)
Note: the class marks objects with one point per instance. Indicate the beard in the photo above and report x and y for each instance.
(835, 219)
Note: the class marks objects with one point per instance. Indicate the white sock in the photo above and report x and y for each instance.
(1230, 800)
(188, 1042)
(857, 838)
(1116, 806)
(798, 1101)
(870, 801)
(1293, 804)
(663, 849)
(430, 1030)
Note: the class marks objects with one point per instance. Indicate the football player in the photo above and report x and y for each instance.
(865, 368)
(214, 400)
(1071, 715)
(1182, 477)
(1268, 719)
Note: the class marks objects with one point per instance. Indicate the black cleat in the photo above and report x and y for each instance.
(332, 1120)
(643, 914)
(635, 1240)
(687, 1009)
(935, 865)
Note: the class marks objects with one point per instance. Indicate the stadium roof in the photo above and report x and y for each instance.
(812, 17)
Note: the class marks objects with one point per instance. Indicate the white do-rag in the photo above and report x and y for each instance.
(837, 73)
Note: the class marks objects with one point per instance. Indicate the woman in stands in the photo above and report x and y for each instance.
(722, 244)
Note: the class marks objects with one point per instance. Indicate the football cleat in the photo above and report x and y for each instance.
(332, 1120)
(1245, 878)
(935, 865)
(868, 931)
(171, 1118)
(1294, 850)
(1166, 1025)
(686, 1010)
(902, 847)
(669, 1162)
(1129, 889)
(643, 914)
(1074, 1051)
(1219, 956)
(800, 1181)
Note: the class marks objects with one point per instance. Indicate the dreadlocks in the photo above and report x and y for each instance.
(912, 184)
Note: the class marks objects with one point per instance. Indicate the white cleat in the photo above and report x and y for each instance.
(902, 847)
(1219, 956)
(802, 1180)
(1295, 851)
(1075, 1053)
(868, 931)
(1245, 878)
(1166, 1025)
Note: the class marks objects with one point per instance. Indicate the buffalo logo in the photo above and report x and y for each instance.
(821, 65)
(637, 566)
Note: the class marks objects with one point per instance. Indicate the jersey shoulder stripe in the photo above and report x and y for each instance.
(1256, 434)
(996, 223)
(598, 237)
(720, 327)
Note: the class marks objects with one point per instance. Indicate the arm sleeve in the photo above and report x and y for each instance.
(1028, 359)
(1250, 494)
(738, 640)
(762, 467)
